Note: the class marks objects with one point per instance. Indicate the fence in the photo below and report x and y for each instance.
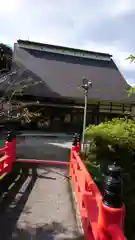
(102, 216)
(8, 155)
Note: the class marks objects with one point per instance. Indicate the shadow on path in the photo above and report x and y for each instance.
(15, 190)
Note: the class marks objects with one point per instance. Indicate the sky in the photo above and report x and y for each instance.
(99, 25)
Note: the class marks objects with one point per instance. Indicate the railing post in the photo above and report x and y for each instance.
(111, 210)
(74, 141)
(13, 135)
(73, 148)
(11, 149)
(78, 143)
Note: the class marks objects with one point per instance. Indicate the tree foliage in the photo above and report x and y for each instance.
(131, 90)
(114, 141)
(5, 58)
(131, 58)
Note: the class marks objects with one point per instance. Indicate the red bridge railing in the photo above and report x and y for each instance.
(102, 216)
(100, 220)
(8, 155)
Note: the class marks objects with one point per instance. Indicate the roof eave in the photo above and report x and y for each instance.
(27, 42)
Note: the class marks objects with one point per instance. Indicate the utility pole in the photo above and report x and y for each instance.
(86, 84)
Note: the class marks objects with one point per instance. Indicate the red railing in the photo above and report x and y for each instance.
(8, 156)
(99, 221)
(115, 233)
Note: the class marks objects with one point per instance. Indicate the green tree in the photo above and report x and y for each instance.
(131, 58)
(5, 58)
(114, 141)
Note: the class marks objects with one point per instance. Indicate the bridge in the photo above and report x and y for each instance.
(57, 198)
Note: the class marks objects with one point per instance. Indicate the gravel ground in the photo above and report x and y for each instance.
(38, 205)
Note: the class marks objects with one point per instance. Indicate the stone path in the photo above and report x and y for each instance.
(38, 206)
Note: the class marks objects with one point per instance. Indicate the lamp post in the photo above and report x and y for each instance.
(86, 84)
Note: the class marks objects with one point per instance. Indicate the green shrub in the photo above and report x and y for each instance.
(114, 141)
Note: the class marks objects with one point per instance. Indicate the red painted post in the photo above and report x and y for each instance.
(74, 147)
(115, 233)
(78, 145)
(111, 210)
(10, 150)
(72, 158)
(14, 146)
(8, 154)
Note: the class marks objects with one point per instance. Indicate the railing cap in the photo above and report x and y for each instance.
(74, 139)
(10, 136)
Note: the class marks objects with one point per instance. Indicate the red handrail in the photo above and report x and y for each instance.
(98, 220)
(115, 233)
(50, 162)
(3, 149)
(87, 194)
(9, 156)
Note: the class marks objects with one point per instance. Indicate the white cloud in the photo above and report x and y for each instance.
(8, 7)
(122, 7)
(131, 81)
(65, 23)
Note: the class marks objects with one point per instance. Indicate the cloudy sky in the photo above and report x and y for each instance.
(100, 25)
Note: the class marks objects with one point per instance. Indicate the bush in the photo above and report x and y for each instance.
(114, 141)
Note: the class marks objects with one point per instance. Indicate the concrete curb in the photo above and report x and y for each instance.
(77, 212)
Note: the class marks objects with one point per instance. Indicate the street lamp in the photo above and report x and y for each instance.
(86, 84)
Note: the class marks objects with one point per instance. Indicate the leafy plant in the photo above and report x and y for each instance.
(114, 141)
(131, 90)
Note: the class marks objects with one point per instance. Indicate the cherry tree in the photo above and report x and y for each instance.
(13, 85)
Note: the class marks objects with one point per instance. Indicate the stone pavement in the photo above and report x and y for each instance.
(41, 207)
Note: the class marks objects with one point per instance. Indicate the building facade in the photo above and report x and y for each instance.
(57, 94)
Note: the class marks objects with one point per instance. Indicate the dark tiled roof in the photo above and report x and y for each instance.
(61, 76)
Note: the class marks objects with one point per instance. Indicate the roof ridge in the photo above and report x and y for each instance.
(27, 42)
